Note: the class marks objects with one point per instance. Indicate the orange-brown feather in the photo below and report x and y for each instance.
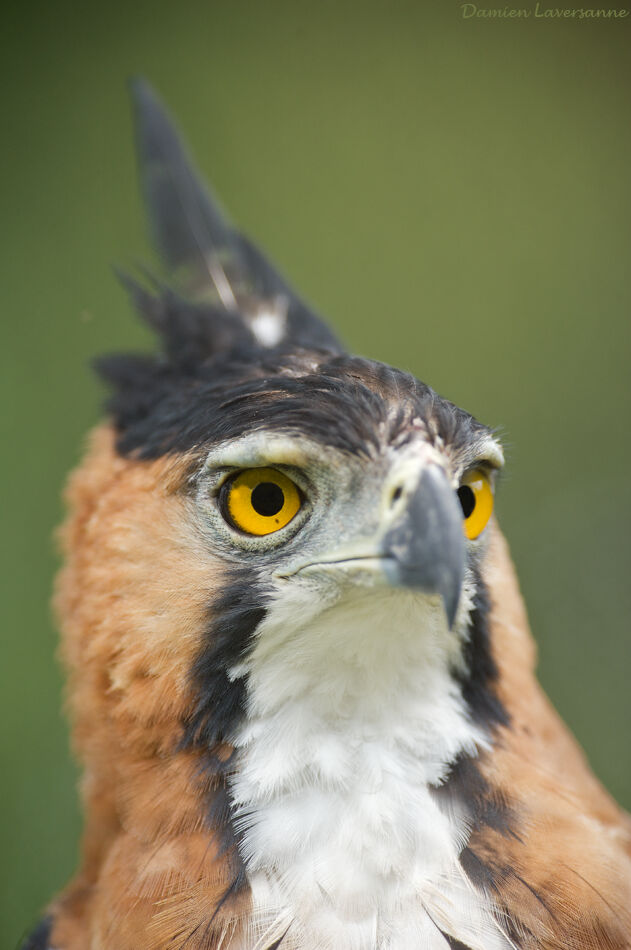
(564, 877)
(132, 601)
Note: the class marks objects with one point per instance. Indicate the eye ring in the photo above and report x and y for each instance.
(476, 499)
(259, 501)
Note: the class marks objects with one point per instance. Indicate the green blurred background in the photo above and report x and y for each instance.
(453, 194)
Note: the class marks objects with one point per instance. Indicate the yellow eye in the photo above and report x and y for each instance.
(261, 500)
(476, 497)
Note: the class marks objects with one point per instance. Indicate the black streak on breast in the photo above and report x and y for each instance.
(219, 700)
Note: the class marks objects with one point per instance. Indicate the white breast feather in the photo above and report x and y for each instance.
(351, 717)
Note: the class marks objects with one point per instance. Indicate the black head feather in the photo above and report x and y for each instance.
(217, 376)
(202, 251)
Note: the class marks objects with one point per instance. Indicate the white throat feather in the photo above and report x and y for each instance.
(353, 718)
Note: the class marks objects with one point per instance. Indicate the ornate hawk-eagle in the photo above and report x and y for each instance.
(300, 672)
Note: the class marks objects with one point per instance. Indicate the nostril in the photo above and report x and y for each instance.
(396, 494)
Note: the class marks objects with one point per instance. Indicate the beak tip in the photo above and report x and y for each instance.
(427, 546)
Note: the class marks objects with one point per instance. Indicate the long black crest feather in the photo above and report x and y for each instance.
(216, 264)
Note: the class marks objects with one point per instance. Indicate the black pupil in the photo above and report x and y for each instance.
(467, 500)
(267, 499)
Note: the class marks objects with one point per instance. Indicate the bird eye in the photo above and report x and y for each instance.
(260, 500)
(476, 498)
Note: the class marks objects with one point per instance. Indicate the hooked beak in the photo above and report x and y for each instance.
(425, 548)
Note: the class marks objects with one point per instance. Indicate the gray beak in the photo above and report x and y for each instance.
(425, 549)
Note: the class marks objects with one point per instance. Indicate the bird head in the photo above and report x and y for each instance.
(312, 484)
(279, 504)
